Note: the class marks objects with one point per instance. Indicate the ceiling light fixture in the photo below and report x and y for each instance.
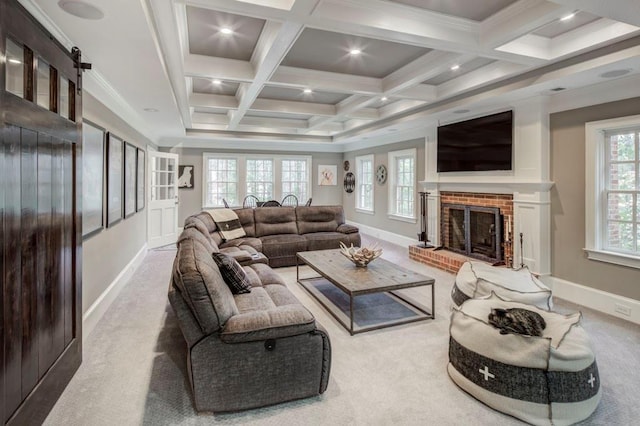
(355, 52)
(216, 82)
(566, 18)
(81, 9)
(384, 98)
(455, 67)
(226, 30)
(14, 61)
(307, 91)
(615, 73)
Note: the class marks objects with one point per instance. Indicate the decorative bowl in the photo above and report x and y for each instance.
(360, 256)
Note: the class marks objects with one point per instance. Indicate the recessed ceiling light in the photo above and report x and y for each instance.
(355, 52)
(226, 30)
(216, 82)
(307, 90)
(151, 110)
(455, 67)
(81, 9)
(14, 61)
(384, 98)
(615, 73)
(569, 16)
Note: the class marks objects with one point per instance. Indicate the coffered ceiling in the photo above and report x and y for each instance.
(336, 71)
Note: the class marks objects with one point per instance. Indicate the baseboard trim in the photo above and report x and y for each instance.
(398, 239)
(99, 307)
(593, 298)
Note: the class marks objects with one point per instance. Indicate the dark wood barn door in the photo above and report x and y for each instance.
(40, 247)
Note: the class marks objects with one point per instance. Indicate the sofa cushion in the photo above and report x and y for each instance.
(319, 218)
(194, 230)
(347, 229)
(232, 273)
(275, 221)
(265, 274)
(247, 220)
(326, 240)
(197, 277)
(274, 246)
(249, 244)
(257, 300)
(276, 323)
(228, 223)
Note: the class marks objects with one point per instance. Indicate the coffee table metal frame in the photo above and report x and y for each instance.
(382, 264)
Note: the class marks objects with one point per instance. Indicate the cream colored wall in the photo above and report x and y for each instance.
(107, 253)
(568, 260)
(191, 199)
(380, 219)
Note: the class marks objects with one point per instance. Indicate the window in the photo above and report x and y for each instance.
(260, 178)
(269, 177)
(364, 183)
(221, 181)
(295, 179)
(613, 191)
(402, 185)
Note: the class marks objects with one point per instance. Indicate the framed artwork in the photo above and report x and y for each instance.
(327, 175)
(185, 177)
(114, 179)
(140, 181)
(92, 178)
(130, 161)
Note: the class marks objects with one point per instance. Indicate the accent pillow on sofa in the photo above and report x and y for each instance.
(228, 224)
(232, 273)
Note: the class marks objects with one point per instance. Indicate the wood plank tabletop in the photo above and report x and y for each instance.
(380, 275)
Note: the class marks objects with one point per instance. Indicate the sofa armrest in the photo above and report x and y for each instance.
(238, 254)
(347, 229)
(275, 323)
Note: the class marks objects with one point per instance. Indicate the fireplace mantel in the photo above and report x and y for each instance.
(479, 184)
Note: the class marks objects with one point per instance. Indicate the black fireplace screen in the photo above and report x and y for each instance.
(473, 231)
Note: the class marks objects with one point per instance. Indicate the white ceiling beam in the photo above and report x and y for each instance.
(398, 107)
(348, 106)
(475, 78)
(326, 81)
(275, 41)
(274, 122)
(422, 69)
(212, 101)
(204, 118)
(519, 19)
(420, 92)
(293, 107)
(221, 68)
(589, 36)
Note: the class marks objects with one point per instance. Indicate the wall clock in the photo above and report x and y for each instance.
(349, 182)
(346, 165)
(381, 174)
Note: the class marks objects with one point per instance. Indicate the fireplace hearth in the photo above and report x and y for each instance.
(473, 231)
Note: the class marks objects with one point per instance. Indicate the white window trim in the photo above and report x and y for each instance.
(594, 186)
(359, 159)
(391, 183)
(242, 173)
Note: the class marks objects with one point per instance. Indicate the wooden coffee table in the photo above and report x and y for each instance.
(381, 276)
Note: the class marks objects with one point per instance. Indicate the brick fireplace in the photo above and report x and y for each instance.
(471, 225)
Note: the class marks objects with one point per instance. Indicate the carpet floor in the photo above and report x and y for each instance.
(134, 366)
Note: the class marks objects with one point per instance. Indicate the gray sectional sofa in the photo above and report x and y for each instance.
(243, 350)
(279, 233)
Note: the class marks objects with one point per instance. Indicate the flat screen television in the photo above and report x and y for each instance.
(480, 144)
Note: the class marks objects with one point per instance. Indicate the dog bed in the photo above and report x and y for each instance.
(478, 279)
(547, 380)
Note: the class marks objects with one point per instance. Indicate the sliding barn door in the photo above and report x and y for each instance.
(40, 247)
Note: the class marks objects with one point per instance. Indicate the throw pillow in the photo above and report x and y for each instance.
(232, 273)
(227, 223)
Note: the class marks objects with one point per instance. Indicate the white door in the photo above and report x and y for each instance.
(162, 219)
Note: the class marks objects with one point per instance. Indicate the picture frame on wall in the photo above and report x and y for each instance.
(114, 179)
(130, 162)
(93, 141)
(185, 176)
(327, 175)
(140, 180)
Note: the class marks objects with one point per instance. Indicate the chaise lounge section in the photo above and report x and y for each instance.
(244, 350)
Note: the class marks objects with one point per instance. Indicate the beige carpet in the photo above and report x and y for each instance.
(133, 371)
